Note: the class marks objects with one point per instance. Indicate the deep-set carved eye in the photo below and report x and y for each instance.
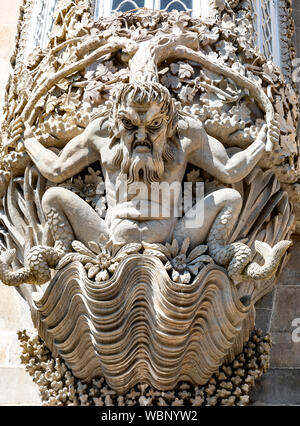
(127, 124)
(155, 124)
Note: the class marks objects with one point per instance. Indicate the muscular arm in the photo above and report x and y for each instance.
(209, 154)
(74, 157)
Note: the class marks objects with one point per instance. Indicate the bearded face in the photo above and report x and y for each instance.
(143, 147)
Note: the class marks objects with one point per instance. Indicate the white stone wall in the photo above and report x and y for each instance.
(16, 386)
(9, 12)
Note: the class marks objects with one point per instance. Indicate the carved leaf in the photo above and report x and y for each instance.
(213, 56)
(289, 144)
(212, 100)
(172, 81)
(182, 69)
(207, 36)
(184, 246)
(197, 251)
(194, 176)
(51, 103)
(242, 112)
(94, 247)
(63, 84)
(106, 70)
(70, 101)
(203, 258)
(156, 253)
(174, 248)
(68, 56)
(82, 249)
(226, 50)
(228, 22)
(269, 72)
(72, 257)
(187, 94)
(126, 250)
(157, 247)
(93, 92)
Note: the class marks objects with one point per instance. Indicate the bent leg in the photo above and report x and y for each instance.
(69, 217)
(198, 222)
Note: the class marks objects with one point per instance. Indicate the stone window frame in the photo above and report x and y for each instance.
(41, 19)
(104, 7)
(282, 28)
(267, 28)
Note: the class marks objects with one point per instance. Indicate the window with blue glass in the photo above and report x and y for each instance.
(126, 5)
(181, 5)
(107, 7)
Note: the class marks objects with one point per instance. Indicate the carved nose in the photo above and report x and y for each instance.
(140, 134)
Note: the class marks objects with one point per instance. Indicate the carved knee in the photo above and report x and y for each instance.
(235, 197)
(230, 198)
(57, 221)
(52, 198)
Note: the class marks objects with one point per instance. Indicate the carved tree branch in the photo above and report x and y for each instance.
(183, 52)
(111, 47)
(143, 66)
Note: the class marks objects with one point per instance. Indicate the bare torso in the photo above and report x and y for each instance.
(142, 213)
(189, 143)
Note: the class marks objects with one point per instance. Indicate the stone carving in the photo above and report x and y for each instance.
(230, 385)
(155, 323)
(156, 97)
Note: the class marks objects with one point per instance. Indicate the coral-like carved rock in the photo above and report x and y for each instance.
(230, 385)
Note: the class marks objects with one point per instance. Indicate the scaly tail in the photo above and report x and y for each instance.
(233, 256)
(37, 270)
(236, 257)
(13, 278)
(272, 258)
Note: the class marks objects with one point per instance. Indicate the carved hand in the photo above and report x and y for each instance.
(28, 131)
(262, 135)
(273, 134)
(18, 128)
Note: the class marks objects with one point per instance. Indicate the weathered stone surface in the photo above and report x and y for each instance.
(286, 308)
(263, 310)
(278, 387)
(285, 352)
(17, 387)
(9, 14)
(291, 272)
(15, 313)
(263, 319)
(9, 349)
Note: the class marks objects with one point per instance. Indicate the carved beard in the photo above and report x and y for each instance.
(149, 169)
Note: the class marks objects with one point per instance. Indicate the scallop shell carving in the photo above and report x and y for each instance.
(140, 326)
